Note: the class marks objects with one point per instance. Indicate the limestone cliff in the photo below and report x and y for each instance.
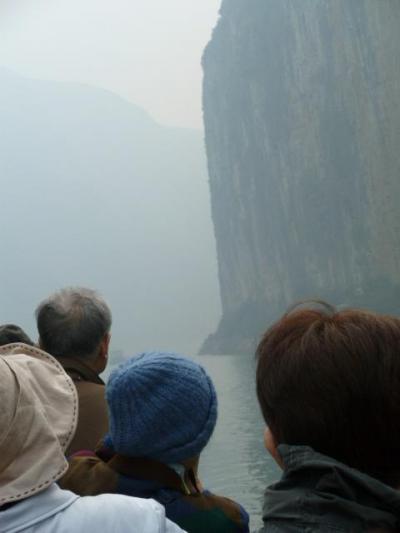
(302, 119)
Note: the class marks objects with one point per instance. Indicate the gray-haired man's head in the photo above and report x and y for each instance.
(74, 322)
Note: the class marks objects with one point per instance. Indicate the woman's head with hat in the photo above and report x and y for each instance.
(38, 416)
(162, 406)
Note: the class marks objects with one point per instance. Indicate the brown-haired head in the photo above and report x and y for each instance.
(331, 380)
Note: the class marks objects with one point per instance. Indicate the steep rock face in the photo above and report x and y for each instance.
(303, 134)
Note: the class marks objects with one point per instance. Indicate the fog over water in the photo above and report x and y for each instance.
(102, 165)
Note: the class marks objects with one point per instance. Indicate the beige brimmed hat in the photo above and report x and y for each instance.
(38, 417)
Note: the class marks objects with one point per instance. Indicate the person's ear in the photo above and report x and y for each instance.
(272, 447)
(104, 346)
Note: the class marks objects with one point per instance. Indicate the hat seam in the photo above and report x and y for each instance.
(37, 488)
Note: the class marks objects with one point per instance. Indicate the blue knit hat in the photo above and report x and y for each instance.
(161, 406)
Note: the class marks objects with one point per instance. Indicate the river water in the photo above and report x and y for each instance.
(235, 463)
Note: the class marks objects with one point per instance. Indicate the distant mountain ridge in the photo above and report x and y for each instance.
(94, 192)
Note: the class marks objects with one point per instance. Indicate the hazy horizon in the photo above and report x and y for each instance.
(103, 102)
(147, 52)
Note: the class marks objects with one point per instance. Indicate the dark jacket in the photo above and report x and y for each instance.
(318, 494)
(187, 504)
(93, 418)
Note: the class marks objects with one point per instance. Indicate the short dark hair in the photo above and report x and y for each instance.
(73, 322)
(331, 380)
(10, 333)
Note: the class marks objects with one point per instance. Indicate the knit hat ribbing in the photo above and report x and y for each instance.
(162, 406)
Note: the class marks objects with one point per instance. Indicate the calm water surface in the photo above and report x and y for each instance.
(235, 463)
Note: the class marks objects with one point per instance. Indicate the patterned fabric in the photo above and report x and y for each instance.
(193, 509)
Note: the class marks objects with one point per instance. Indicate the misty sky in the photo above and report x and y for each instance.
(113, 200)
(148, 51)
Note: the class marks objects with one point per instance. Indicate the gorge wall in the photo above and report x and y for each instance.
(302, 120)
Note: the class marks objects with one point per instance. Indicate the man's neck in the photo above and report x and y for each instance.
(81, 369)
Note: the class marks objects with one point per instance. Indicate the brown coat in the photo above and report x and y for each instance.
(93, 418)
(186, 503)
